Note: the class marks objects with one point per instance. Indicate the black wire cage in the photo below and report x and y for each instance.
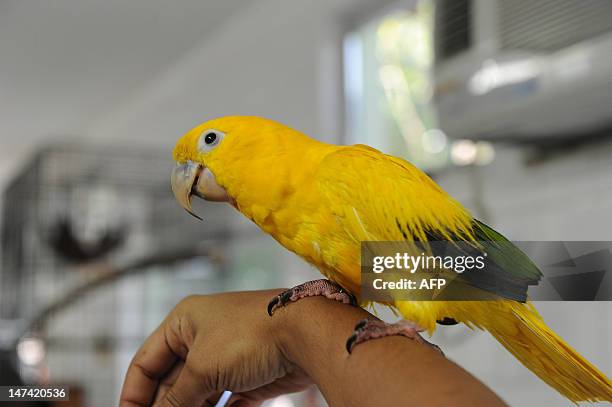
(74, 219)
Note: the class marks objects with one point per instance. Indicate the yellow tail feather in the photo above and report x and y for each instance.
(522, 331)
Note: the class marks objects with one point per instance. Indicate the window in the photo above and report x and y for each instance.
(388, 89)
(388, 68)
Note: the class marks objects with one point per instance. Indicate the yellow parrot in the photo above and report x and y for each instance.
(321, 201)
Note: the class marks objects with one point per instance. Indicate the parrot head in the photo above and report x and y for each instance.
(243, 160)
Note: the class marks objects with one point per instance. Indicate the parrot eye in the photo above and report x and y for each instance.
(209, 139)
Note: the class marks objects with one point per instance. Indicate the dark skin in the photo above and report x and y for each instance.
(227, 341)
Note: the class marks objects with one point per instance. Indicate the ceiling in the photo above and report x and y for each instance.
(65, 63)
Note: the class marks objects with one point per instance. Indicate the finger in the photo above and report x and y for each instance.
(212, 401)
(291, 383)
(152, 361)
(168, 380)
(193, 387)
(219, 399)
(166, 383)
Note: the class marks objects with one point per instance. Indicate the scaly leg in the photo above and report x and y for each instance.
(322, 287)
(370, 328)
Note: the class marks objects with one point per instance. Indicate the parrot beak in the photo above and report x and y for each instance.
(194, 179)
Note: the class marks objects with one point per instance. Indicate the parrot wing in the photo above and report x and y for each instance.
(377, 197)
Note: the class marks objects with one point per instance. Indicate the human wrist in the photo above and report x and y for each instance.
(311, 331)
(283, 330)
(279, 327)
(292, 328)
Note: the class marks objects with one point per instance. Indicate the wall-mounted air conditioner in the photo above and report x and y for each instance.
(523, 69)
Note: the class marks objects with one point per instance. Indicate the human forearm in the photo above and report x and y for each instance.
(381, 372)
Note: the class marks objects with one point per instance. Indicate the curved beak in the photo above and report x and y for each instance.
(183, 178)
(191, 178)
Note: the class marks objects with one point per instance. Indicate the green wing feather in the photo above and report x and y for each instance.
(509, 272)
(505, 254)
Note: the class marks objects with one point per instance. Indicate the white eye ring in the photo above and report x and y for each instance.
(210, 139)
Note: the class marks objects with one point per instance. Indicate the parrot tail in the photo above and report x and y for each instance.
(521, 330)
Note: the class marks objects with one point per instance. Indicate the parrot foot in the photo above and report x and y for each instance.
(370, 328)
(322, 287)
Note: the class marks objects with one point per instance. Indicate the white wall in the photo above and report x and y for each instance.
(565, 196)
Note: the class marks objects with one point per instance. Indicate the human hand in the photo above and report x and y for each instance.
(209, 344)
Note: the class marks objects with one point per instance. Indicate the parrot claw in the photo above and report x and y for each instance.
(323, 287)
(370, 328)
(272, 305)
